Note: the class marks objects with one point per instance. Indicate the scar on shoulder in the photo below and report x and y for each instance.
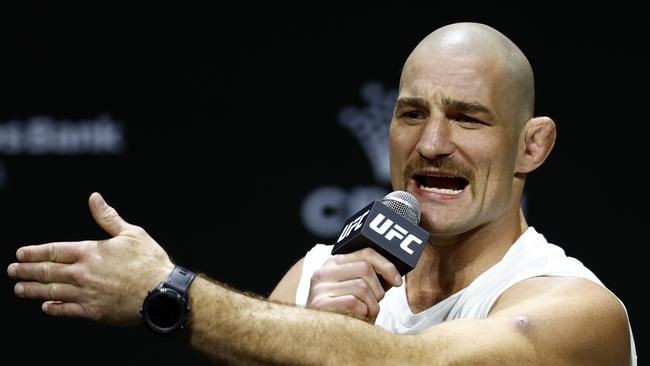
(521, 322)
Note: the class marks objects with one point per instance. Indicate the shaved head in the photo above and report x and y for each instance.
(489, 47)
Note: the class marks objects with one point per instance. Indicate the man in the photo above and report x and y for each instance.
(487, 290)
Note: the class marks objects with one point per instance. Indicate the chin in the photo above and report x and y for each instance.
(438, 227)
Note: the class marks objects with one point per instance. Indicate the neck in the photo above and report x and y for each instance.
(445, 269)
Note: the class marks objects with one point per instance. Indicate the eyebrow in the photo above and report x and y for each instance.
(419, 103)
(448, 103)
(466, 107)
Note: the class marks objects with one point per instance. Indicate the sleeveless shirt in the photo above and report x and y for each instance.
(530, 256)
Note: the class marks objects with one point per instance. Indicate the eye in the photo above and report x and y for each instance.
(413, 116)
(466, 121)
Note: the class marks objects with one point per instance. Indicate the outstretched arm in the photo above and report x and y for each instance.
(542, 321)
(550, 321)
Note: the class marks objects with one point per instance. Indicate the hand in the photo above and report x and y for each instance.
(348, 283)
(105, 280)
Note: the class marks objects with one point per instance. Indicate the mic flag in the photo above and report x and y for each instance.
(389, 227)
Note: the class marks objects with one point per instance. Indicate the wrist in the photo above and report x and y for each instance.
(166, 307)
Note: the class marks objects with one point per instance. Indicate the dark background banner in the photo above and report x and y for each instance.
(238, 139)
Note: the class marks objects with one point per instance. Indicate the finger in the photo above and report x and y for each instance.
(348, 271)
(348, 304)
(44, 272)
(381, 265)
(106, 216)
(63, 309)
(65, 252)
(358, 288)
(47, 291)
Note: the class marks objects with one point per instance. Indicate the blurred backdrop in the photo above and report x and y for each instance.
(209, 125)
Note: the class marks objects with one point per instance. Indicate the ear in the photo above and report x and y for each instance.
(538, 139)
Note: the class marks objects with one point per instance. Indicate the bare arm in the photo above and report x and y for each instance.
(285, 291)
(543, 321)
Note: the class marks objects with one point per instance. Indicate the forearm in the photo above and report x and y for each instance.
(226, 325)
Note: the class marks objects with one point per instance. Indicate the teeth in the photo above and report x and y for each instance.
(441, 190)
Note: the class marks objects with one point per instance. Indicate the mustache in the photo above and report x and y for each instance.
(447, 165)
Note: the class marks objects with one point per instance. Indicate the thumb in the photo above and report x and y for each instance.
(106, 216)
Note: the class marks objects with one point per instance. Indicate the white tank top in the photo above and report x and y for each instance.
(530, 256)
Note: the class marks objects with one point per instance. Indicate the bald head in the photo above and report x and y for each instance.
(462, 41)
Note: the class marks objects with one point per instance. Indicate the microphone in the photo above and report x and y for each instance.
(390, 227)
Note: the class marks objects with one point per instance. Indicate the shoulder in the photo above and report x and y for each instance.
(291, 289)
(285, 290)
(572, 315)
(576, 295)
(539, 321)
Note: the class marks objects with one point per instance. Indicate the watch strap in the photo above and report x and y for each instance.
(180, 279)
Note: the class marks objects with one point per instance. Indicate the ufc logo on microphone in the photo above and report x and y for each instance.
(354, 225)
(394, 231)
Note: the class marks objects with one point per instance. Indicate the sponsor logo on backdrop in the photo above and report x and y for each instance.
(325, 209)
(42, 135)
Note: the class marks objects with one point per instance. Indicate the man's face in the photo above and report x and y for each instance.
(453, 142)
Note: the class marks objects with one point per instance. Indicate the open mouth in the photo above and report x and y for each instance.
(442, 184)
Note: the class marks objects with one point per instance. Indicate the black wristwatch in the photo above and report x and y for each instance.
(166, 307)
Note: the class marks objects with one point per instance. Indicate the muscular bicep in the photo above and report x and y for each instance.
(285, 291)
(546, 320)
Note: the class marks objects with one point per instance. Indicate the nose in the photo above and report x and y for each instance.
(436, 140)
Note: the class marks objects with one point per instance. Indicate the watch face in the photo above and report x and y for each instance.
(163, 310)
